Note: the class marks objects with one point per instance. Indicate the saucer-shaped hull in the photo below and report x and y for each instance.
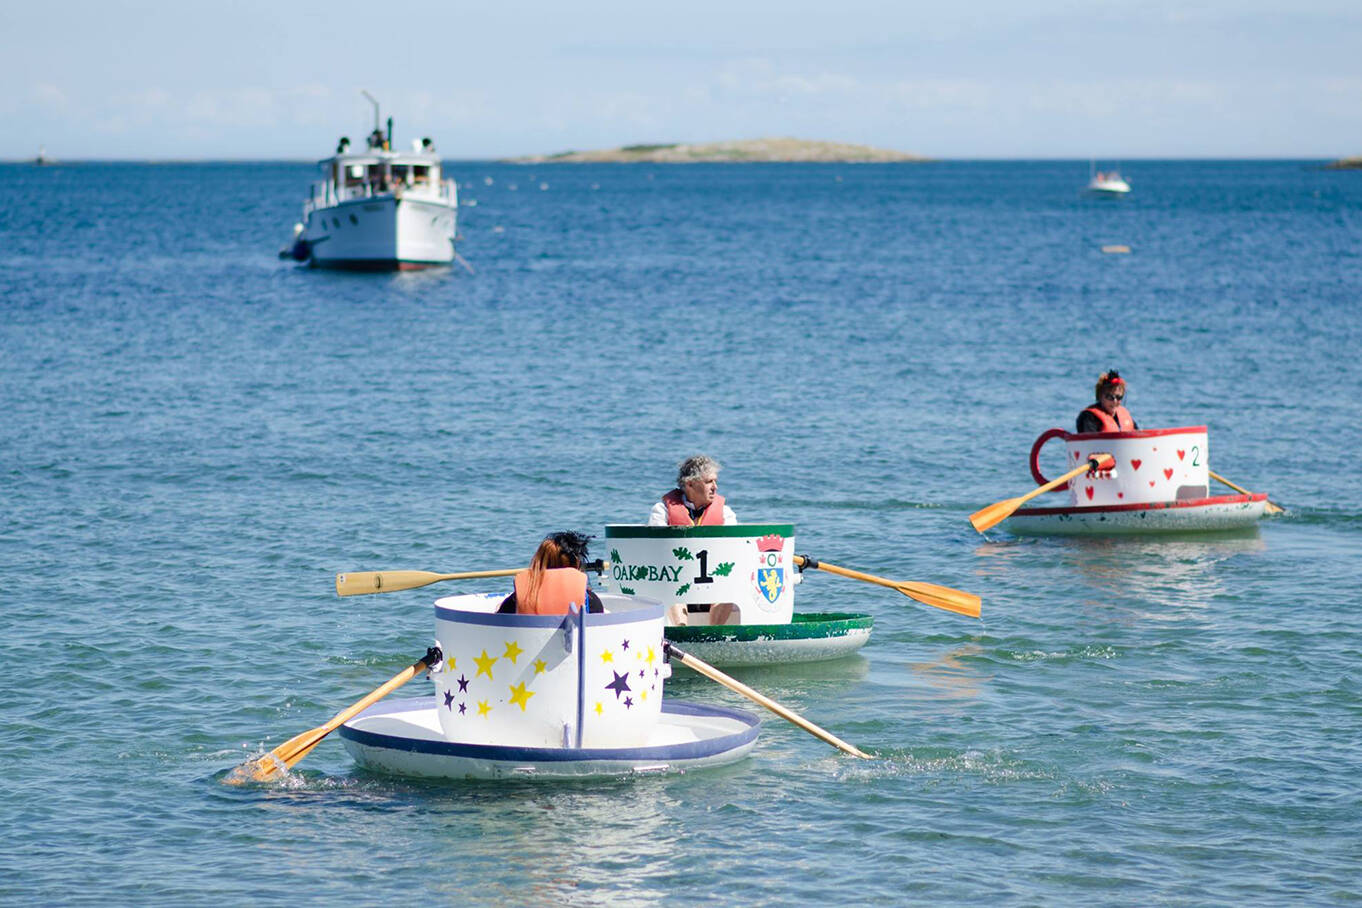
(1198, 515)
(404, 737)
(809, 637)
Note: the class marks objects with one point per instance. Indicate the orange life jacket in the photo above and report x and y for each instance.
(558, 588)
(1122, 423)
(678, 515)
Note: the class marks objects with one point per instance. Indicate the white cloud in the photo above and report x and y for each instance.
(47, 95)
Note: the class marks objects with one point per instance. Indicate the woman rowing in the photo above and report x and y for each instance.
(1107, 413)
(554, 580)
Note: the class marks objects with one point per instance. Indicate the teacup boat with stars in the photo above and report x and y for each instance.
(547, 696)
(1141, 481)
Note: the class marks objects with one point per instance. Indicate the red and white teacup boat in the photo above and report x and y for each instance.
(1160, 483)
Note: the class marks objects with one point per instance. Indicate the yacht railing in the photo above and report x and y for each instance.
(326, 194)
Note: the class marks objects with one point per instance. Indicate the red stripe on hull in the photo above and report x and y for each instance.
(1146, 506)
(1136, 433)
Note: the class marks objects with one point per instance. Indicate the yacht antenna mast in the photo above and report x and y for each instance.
(373, 101)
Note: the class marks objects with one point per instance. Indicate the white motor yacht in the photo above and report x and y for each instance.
(378, 209)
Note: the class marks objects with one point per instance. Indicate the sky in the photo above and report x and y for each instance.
(155, 80)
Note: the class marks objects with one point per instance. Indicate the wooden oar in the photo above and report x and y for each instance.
(738, 687)
(995, 514)
(942, 597)
(1271, 508)
(279, 761)
(358, 583)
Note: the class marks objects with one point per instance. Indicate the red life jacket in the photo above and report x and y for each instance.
(678, 515)
(558, 588)
(1122, 423)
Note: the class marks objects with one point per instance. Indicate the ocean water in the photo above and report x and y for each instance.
(198, 436)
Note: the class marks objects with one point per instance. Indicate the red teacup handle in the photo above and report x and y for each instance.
(1035, 457)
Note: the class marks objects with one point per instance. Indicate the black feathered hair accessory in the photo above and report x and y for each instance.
(573, 545)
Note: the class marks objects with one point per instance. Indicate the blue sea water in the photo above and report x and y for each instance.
(198, 436)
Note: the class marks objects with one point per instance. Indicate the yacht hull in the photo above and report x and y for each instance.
(380, 233)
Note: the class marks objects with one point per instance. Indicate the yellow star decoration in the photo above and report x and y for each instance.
(539, 666)
(520, 696)
(449, 665)
(606, 657)
(643, 694)
(599, 709)
(651, 655)
(484, 664)
(512, 650)
(483, 708)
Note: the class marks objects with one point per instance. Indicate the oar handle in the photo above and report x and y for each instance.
(738, 687)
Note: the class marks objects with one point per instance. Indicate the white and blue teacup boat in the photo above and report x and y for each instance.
(547, 696)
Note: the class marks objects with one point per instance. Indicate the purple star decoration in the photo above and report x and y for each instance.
(620, 684)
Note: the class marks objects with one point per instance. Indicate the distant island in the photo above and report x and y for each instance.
(1346, 164)
(748, 151)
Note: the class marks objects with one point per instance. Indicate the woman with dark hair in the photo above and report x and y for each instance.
(554, 580)
(1107, 413)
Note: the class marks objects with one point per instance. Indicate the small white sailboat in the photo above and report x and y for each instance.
(1105, 183)
(378, 209)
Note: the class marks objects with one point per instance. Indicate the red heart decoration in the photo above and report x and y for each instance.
(1155, 450)
(1120, 494)
(1135, 464)
(1089, 491)
(1151, 483)
(1180, 453)
(1168, 473)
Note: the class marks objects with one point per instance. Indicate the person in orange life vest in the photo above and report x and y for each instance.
(554, 579)
(695, 502)
(1107, 413)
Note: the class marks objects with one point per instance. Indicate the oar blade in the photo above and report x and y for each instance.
(358, 583)
(994, 514)
(943, 597)
(276, 764)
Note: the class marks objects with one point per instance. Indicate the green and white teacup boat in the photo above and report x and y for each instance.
(753, 568)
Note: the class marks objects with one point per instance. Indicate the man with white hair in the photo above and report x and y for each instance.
(695, 502)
